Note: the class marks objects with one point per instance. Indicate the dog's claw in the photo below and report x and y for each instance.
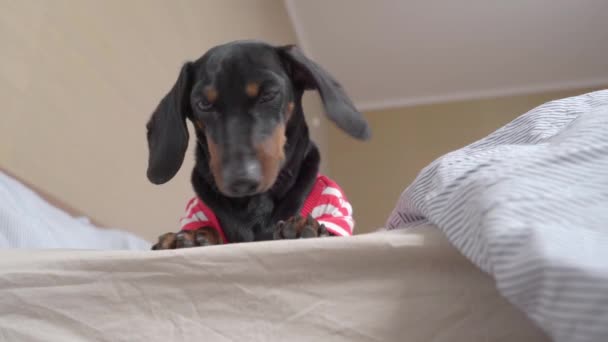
(323, 230)
(278, 230)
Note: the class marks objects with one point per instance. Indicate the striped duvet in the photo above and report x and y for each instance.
(528, 204)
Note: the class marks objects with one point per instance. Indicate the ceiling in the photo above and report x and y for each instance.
(392, 53)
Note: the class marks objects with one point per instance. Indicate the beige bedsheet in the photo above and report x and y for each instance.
(387, 286)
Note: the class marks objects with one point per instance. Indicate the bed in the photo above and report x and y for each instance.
(385, 286)
(502, 240)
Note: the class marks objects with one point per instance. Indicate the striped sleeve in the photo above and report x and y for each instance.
(333, 210)
(199, 215)
(195, 216)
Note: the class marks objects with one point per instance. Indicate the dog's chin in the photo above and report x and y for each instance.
(239, 195)
(260, 190)
(266, 184)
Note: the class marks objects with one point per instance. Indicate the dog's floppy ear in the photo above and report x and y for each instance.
(167, 132)
(338, 106)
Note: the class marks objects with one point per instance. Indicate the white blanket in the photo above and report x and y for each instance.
(529, 205)
(28, 221)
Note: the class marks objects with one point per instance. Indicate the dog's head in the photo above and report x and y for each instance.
(239, 96)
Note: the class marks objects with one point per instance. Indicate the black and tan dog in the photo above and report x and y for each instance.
(256, 173)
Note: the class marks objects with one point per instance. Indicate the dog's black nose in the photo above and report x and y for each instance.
(243, 180)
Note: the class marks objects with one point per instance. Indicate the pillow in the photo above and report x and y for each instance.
(29, 221)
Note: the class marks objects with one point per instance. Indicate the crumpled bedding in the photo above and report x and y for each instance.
(529, 205)
(385, 286)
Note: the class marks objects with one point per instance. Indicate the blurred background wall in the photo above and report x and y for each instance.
(79, 79)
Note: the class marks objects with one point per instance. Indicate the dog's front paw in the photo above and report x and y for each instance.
(204, 236)
(298, 227)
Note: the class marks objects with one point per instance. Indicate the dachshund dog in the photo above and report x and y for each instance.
(256, 175)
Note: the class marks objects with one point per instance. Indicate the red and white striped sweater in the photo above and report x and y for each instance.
(326, 203)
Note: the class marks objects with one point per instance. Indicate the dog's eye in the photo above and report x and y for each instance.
(204, 105)
(268, 96)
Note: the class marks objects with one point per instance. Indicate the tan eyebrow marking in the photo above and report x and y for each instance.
(210, 93)
(252, 89)
(290, 107)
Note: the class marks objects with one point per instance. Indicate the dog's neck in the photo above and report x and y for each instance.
(252, 218)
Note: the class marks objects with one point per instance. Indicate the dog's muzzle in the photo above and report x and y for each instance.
(243, 178)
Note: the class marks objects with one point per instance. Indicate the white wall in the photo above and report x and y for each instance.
(392, 53)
